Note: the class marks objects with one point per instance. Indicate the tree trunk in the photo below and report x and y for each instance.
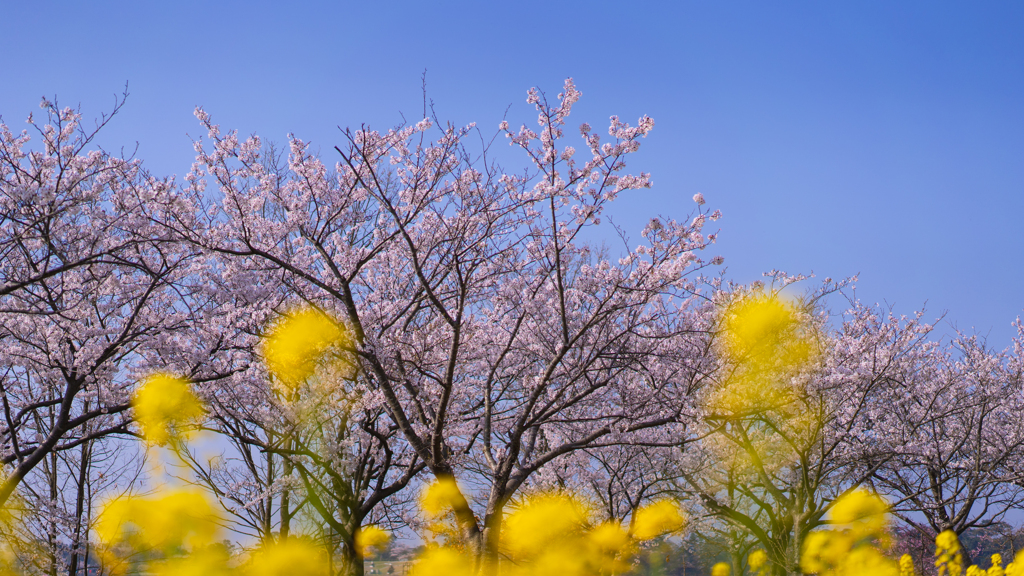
(965, 554)
(351, 559)
(76, 542)
(491, 542)
(286, 513)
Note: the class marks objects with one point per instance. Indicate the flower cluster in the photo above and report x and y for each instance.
(165, 408)
(552, 533)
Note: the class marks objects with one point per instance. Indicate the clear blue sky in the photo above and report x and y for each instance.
(879, 138)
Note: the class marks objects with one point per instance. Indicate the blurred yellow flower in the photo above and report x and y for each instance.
(1016, 568)
(296, 345)
(440, 496)
(568, 559)
(947, 554)
(868, 561)
(443, 562)
(7, 564)
(763, 331)
(292, 557)
(720, 569)
(907, 565)
(371, 539)
(766, 340)
(7, 560)
(996, 568)
(863, 512)
(610, 548)
(609, 536)
(549, 534)
(176, 519)
(851, 547)
(758, 562)
(165, 407)
(540, 521)
(824, 550)
(209, 561)
(657, 519)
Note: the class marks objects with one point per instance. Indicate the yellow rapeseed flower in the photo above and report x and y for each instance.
(540, 521)
(10, 516)
(443, 562)
(947, 552)
(440, 497)
(766, 340)
(292, 557)
(656, 519)
(173, 520)
(209, 561)
(721, 569)
(1016, 568)
(609, 536)
(758, 562)
(851, 547)
(549, 534)
(763, 331)
(569, 559)
(370, 539)
(863, 512)
(907, 565)
(165, 407)
(610, 548)
(824, 550)
(8, 561)
(296, 345)
(868, 561)
(996, 569)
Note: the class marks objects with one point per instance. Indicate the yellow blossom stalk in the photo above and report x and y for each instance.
(907, 565)
(292, 557)
(863, 512)
(1016, 568)
(172, 523)
(8, 561)
(766, 340)
(440, 497)
(947, 551)
(165, 407)
(296, 345)
(541, 520)
(765, 331)
(758, 562)
(437, 561)
(657, 519)
(370, 539)
(609, 536)
(209, 561)
(996, 568)
(549, 534)
(174, 519)
(851, 547)
(611, 548)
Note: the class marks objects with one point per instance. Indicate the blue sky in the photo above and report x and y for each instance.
(879, 138)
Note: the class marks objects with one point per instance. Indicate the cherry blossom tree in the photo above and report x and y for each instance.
(86, 285)
(955, 431)
(781, 447)
(56, 502)
(487, 329)
(320, 446)
(320, 449)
